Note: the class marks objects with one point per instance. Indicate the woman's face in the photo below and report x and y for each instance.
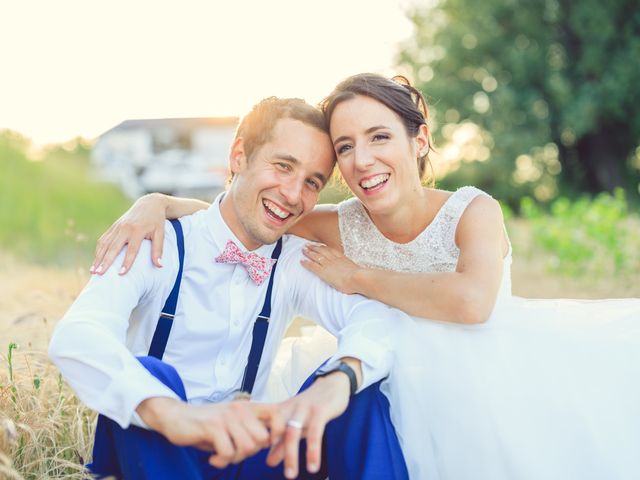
(375, 156)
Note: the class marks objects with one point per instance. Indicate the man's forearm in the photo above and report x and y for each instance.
(156, 410)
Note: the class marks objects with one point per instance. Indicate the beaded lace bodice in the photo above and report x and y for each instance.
(433, 250)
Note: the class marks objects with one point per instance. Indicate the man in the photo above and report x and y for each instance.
(153, 412)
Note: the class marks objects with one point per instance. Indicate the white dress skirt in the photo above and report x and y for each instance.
(544, 389)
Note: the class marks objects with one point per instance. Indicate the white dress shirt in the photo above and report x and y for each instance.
(114, 318)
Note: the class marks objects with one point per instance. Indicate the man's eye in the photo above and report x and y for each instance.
(283, 166)
(313, 184)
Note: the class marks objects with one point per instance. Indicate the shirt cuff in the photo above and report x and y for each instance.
(131, 390)
(138, 422)
(375, 354)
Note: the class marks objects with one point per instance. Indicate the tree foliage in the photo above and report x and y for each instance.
(553, 85)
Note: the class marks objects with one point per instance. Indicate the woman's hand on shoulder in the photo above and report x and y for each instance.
(145, 219)
(332, 267)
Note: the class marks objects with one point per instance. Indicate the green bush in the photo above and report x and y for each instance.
(586, 236)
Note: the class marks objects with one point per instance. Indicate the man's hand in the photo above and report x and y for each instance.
(232, 430)
(307, 415)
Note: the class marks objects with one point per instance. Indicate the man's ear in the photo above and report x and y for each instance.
(237, 156)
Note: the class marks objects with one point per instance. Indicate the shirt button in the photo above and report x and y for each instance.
(223, 361)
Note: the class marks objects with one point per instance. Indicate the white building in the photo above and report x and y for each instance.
(178, 156)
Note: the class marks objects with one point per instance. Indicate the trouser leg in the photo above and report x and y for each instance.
(138, 453)
(362, 443)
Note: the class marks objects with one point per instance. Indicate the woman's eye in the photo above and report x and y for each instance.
(343, 148)
(380, 136)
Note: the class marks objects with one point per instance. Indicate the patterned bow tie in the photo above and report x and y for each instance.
(257, 267)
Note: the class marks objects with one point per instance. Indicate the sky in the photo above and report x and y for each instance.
(78, 67)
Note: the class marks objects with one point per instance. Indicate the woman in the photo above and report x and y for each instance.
(485, 385)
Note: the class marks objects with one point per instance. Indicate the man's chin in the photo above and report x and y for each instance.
(274, 232)
(269, 236)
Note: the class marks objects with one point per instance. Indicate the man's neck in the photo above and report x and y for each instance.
(230, 218)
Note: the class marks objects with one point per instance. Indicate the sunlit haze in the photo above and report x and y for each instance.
(77, 67)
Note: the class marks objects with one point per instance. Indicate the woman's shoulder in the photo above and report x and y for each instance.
(470, 201)
(463, 207)
(459, 199)
(480, 213)
(320, 225)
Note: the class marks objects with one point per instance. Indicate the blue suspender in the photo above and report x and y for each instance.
(165, 322)
(260, 327)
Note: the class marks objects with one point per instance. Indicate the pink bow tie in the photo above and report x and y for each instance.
(257, 267)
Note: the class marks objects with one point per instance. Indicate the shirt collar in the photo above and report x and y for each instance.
(221, 233)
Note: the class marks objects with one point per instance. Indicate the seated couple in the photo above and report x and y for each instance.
(459, 380)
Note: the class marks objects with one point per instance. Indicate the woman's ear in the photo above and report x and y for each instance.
(422, 140)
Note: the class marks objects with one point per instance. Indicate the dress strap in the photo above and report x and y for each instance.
(455, 207)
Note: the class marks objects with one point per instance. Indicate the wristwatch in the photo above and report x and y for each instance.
(349, 372)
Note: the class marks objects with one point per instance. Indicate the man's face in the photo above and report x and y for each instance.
(280, 183)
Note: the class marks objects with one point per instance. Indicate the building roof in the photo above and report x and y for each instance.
(176, 123)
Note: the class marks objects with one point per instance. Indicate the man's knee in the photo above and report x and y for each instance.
(165, 373)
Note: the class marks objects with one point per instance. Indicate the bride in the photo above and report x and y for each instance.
(485, 385)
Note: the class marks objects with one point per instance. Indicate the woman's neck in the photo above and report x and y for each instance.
(404, 224)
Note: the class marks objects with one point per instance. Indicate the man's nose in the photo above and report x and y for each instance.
(291, 190)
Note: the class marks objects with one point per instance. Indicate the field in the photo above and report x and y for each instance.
(52, 211)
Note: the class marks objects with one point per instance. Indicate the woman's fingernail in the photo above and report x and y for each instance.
(99, 269)
(122, 270)
(160, 261)
(313, 468)
(289, 473)
(92, 269)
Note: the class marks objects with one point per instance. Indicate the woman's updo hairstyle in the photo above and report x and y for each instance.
(396, 94)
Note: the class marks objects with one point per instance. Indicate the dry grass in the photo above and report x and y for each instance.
(44, 430)
(46, 433)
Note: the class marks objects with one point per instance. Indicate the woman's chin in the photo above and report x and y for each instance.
(378, 204)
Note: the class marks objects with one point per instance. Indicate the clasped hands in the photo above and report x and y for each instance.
(234, 431)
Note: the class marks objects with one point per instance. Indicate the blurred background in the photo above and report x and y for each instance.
(533, 102)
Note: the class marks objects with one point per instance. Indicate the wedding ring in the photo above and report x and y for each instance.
(295, 424)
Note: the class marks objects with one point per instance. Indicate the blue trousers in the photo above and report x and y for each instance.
(360, 444)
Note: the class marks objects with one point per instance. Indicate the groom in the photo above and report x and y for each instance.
(230, 285)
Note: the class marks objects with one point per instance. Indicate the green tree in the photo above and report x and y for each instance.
(554, 86)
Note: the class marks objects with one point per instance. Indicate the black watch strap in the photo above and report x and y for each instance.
(349, 372)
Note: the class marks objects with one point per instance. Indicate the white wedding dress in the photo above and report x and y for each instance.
(544, 389)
